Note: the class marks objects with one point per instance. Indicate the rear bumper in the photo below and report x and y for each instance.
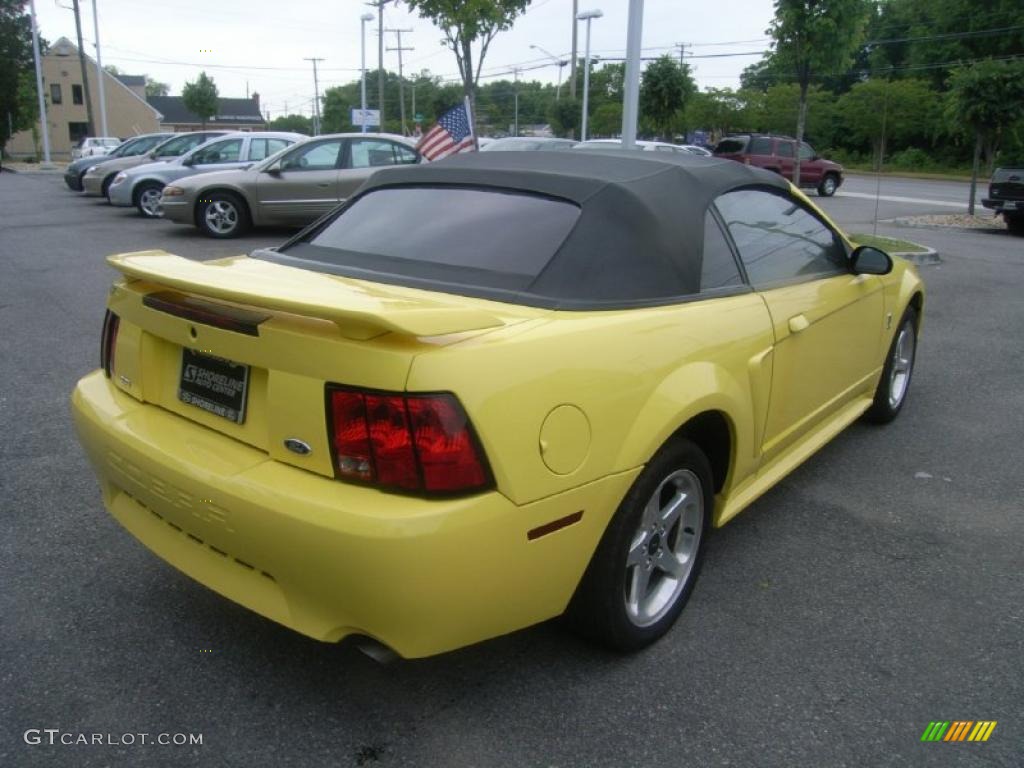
(1003, 205)
(120, 194)
(326, 558)
(93, 185)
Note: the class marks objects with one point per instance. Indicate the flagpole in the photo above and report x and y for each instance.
(472, 127)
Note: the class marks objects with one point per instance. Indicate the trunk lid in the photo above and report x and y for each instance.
(275, 335)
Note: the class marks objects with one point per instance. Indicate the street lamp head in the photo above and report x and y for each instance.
(366, 17)
(591, 14)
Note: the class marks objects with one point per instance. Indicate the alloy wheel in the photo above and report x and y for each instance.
(149, 201)
(221, 217)
(902, 365)
(664, 547)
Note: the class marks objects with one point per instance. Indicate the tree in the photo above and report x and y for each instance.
(294, 123)
(987, 98)
(931, 35)
(780, 107)
(722, 111)
(666, 87)
(15, 61)
(156, 88)
(877, 112)
(564, 116)
(153, 87)
(466, 22)
(607, 120)
(814, 37)
(200, 98)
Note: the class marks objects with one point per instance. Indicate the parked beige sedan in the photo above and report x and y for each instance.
(292, 188)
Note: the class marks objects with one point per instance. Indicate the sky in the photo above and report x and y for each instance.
(261, 45)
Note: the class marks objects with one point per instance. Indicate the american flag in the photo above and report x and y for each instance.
(451, 135)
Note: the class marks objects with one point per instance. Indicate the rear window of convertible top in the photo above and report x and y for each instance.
(457, 236)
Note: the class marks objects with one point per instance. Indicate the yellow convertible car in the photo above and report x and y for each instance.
(490, 391)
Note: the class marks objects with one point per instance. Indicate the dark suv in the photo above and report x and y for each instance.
(1006, 196)
(777, 153)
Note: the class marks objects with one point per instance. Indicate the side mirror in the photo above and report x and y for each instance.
(274, 170)
(870, 261)
(188, 161)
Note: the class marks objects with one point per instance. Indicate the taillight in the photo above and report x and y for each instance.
(108, 342)
(409, 442)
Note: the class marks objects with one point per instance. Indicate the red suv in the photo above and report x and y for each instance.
(776, 153)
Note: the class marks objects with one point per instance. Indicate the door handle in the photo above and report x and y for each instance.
(324, 185)
(798, 323)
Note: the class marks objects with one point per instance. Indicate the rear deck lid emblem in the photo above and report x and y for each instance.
(300, 447)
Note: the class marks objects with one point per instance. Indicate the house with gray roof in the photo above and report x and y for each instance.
(232, 114)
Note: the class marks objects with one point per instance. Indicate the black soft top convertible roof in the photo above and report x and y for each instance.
(639, 237)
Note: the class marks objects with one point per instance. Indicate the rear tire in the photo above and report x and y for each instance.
(645, 567)
(828, 185)
(891, 393)
(222, 215)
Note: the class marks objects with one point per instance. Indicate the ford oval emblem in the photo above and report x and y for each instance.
(300, 447)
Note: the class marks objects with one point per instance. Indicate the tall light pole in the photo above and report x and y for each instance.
(362, 80)
(560, 62)
(631, 86)
(379, 5)
(587, 16)
(572, 60)
(43, 124)
(99, 66)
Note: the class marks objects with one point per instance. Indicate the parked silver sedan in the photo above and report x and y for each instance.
(142, 185)
(97, 179)
(292, 188)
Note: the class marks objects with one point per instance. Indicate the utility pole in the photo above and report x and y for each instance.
(401, 88)
(515, 76)
(99, 66)
(682, 51)
(85, 78)
(316, 100)
(44, 125)
(379, 5)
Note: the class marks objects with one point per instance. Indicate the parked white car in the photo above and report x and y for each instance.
(91, 146)
(646, 146)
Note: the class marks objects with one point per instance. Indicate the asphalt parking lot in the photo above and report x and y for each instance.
(876, 589)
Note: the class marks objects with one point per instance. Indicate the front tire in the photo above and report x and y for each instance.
(222, 215)
(828, 185)
(147, 199)
(891, 393)
(648, 560)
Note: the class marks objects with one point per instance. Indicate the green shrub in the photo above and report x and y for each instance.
(912, 159)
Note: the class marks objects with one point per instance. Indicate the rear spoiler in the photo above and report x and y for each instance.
(359, 310)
